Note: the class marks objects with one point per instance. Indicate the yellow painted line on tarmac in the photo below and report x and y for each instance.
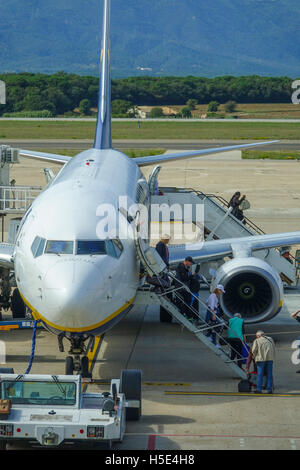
(146, 384)
(166, 384)
(228, 394)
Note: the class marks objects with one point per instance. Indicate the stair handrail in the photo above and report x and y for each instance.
(225, 203)
(196, 313)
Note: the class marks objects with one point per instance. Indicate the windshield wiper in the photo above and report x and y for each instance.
(61, 388)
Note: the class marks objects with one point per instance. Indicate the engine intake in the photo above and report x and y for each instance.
(253, 289)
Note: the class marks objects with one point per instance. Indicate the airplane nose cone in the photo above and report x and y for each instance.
(70, 292)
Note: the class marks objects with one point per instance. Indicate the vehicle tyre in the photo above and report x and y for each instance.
(131, 386)
(18, 306)
(165, 316)
(85, 367)
(69, 365)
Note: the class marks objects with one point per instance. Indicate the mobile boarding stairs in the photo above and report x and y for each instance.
(219, 223)
(171, 300)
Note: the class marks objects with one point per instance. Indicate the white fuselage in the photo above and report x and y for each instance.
(72, 292)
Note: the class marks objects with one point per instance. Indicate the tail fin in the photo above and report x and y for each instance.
(103, 129)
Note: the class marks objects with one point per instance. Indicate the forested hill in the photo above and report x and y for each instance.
(165, 37)
(61, 93)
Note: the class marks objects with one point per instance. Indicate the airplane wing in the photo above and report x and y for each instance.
(145, 161)
(47, 157)
(218, 249)
(6, 255)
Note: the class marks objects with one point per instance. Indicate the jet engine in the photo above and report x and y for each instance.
(253, 289)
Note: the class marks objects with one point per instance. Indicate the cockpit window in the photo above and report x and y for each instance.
(38, 246)
(113, 248)
(35, 245)
(118, 247)
(58, 247)
(91, 247)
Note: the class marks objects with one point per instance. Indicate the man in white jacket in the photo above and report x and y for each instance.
(263, 352)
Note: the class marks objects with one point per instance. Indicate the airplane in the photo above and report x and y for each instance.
(80, 285)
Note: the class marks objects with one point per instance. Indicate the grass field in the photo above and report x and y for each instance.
(151, 130)
(132, 153)
(251, 110)
(259, 155)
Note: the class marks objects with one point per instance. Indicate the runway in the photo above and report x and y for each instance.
(73, 144)
(215, 120)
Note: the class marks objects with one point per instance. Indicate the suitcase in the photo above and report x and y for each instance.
(5, 407)
(244, 386)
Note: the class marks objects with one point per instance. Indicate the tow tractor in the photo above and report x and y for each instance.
(52, 410)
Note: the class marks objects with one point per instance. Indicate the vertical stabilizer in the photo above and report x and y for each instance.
(103, 130)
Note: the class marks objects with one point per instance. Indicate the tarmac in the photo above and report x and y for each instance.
(190, 399)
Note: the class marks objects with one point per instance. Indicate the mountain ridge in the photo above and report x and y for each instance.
(165, 37)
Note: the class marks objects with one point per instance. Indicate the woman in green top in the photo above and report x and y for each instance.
(236, 337)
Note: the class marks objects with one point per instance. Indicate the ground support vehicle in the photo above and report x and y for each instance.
(52, 410)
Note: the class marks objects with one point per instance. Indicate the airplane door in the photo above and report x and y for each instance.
(152, 181)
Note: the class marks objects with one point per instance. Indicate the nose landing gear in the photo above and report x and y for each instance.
(77, 361)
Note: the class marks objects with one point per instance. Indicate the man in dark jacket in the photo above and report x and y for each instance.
(235, 203)
(194, 285)
(183, 275)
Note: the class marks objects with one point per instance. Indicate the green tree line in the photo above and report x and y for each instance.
(62, 93)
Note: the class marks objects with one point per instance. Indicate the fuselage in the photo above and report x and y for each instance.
(75, 272)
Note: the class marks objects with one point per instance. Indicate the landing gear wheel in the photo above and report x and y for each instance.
(131, 386)
(85, 367)
(165, 316)
(17, 305)
(69, 365)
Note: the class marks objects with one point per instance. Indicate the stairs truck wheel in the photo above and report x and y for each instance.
(131, 386)
(165, 316)
(18, 307)
(69, 365)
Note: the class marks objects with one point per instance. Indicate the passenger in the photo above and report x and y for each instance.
(235, 203)
(263, 352)
(213, 311)
(183, 273)
(163, 250)
(236, 337)
(194, 285)
(296, 316)
(285, 253)
(249, 362)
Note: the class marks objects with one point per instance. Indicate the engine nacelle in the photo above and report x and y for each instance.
(253, 289)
